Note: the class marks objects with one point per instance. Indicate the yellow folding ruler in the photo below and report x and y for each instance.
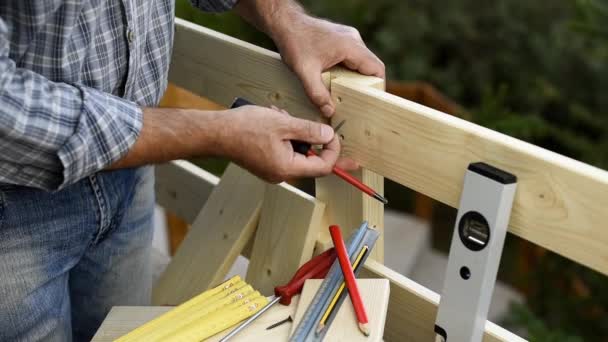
(204, 315)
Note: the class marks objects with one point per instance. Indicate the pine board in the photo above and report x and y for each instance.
(122, 319)
(375, 296)
(218, 235)
(285, 239)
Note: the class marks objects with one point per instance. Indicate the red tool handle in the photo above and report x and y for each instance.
(315, 268)
(349, 276)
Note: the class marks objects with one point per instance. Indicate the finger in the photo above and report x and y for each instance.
(309, 166)
(317, 165)
(331, 150)
(347, 164)
(315, 89)
(309, 131)
(363, 60)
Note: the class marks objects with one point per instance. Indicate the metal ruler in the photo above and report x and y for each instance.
(306, 329)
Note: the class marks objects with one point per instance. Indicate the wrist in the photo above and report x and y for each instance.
(225, 133)
(273, 17)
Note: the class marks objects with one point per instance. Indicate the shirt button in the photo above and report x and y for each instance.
(130, 36)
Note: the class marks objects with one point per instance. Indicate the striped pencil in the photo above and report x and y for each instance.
(349, 278)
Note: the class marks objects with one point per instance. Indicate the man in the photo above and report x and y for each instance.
(78, 84)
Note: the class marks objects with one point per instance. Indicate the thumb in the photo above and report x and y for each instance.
(310, 131)
(316, 91)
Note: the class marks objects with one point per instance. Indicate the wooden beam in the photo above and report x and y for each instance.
(183, 188)
(220, 67)
(560, 203)
(346, 205)
(219, 233)
(289, 225)
(412, 309)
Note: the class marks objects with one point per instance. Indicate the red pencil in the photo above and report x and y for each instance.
(354, 181)
(349, 278)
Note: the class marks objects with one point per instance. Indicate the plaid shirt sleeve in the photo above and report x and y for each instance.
(214, 5)
(53, 134)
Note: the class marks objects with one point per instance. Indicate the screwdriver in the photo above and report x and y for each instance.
(305, 148)
(315, 268)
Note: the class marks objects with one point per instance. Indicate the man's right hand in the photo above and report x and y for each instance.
(258, 138)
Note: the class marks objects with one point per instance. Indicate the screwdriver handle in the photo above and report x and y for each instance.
(301, 147)
(315, 268)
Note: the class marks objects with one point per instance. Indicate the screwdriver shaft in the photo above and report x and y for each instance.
(250, 319)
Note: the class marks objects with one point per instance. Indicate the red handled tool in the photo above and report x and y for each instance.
(315, 268)
(304, 148)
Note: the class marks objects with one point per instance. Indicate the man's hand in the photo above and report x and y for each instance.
(311, 45)
(258, 139)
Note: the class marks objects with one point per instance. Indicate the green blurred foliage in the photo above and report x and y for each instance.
(535, 70)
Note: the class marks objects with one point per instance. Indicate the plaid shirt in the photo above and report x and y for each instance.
(73, 76)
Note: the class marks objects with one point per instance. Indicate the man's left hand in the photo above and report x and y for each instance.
(311, 45)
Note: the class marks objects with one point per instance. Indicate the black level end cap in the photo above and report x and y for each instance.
(493, 173)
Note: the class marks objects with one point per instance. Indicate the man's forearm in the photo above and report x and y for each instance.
(268, 16)
(169, 134)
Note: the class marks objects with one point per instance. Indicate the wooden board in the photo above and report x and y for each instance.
(412, 309)
(176, 97)
(375, 296)
(123, 319)
(560, 203)
(346, 205)
(221, 67)
(289, 224)
(183, 188)
(219, 233)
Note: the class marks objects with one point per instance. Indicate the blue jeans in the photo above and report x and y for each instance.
(68, 257)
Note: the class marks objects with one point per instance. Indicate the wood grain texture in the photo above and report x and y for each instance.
(123, 319)
(220, 68)
(346, 205)
(176, 97)
(183, 188)
(219, 233)
(560, 203)
(289, 225)
(412, 309)
(375, 296)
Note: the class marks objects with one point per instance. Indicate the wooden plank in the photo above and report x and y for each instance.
(346, 205)
(375, 295)
(412, 309)
(122, 319)
(183, 188)
(220, 67)
(285, 238)
(176, 97)
(219, 233)
(560, 203)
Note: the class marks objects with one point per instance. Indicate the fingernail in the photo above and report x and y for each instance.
(327, 109)
(327, 133)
